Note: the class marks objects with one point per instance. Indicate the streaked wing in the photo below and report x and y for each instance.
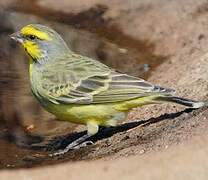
(125, 87)
(73, 79)
(82, 80)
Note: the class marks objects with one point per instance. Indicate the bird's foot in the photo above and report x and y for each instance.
(71, 147)
(77, 144)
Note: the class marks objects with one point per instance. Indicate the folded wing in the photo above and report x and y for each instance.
(81, 80)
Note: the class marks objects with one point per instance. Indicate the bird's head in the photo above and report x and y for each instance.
(40, 41)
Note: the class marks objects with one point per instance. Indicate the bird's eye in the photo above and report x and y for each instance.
(32, 37)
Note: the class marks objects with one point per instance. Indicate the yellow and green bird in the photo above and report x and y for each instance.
(82, 90)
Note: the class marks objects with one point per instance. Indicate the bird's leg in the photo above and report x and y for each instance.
(92, 128)
(78, 143)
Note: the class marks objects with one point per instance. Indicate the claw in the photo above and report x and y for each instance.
(84, 144)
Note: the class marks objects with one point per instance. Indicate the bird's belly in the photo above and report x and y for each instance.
(104, 115)
(107, 114)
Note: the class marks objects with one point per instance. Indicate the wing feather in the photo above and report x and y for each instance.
(81, 80)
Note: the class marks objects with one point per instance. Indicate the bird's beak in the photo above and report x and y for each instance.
(17, 37)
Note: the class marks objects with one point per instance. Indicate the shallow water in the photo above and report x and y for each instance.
(28, 133)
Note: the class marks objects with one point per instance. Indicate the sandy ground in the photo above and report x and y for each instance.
(157, 141)
(185, 161)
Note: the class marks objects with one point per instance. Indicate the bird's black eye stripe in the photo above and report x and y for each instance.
(32, 37)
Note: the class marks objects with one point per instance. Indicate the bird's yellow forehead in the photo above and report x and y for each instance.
(30, 30)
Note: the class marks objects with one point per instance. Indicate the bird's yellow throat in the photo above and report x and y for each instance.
(32, 49)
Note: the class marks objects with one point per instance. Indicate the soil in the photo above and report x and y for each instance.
(162, 41)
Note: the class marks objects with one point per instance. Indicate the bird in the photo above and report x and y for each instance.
(83, 90)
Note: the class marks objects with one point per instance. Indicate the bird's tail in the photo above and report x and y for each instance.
(183, 101)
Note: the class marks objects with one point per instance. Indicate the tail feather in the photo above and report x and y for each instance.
(183, 101)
